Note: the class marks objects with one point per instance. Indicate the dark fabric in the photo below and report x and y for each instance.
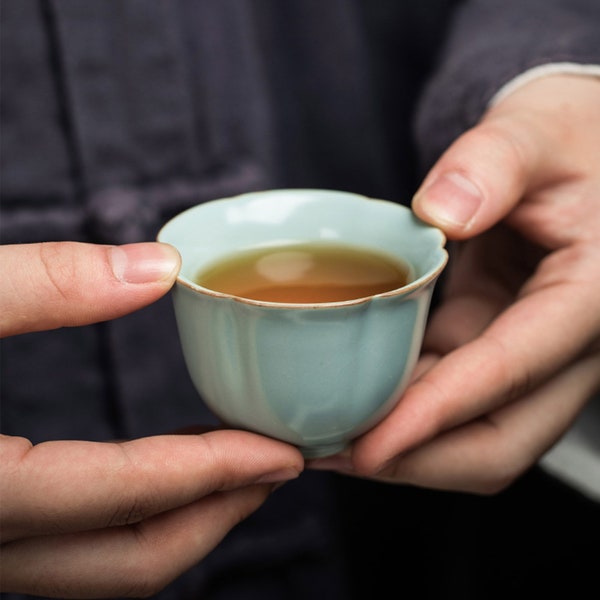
(118, 114)
(536, 539)
(491, 42)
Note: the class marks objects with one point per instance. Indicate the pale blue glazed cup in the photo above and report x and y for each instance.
(313, 375)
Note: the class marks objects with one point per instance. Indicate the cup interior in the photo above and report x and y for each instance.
(207, 232)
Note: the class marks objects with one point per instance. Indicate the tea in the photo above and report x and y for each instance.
(305, 273)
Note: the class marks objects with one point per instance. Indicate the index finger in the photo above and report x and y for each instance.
(543, 331)
(62, 486)
(55, 284)
(543, 133)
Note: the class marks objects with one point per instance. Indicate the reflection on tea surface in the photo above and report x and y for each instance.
(305, 273)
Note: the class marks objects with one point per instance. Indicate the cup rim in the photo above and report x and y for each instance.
(404, 290)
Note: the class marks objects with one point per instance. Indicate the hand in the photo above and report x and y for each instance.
(86, 519)
(512, 354)
(57, 284)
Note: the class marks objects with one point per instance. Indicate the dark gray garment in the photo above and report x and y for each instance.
(118, 114)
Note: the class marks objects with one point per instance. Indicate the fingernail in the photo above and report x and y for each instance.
(279, 476)
(146, 262)
(451, 199)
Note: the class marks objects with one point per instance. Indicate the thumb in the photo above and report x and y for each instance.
(480, 178)
(55, 284)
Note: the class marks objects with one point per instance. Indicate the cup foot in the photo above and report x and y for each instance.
(321, 451)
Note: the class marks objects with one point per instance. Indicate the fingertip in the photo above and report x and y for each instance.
(480, 178)
(263, 459)
(57, 284)
(451, 202)
(279, 476)
(146, 262)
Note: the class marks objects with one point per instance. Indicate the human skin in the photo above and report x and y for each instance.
(512, 353)
(85, 519)
(510, 358)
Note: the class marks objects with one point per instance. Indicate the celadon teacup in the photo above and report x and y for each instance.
(313, 375)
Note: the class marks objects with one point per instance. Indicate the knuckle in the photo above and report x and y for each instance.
(506, 146)
(129, 513)
(60, 268)
(516, 376)
(222, 472)
(140, 498)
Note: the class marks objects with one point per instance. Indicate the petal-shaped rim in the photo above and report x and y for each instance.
(405, 290)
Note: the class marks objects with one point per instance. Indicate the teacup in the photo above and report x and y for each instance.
(315, 375)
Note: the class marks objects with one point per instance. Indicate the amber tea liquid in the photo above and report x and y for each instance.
(305, 273)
